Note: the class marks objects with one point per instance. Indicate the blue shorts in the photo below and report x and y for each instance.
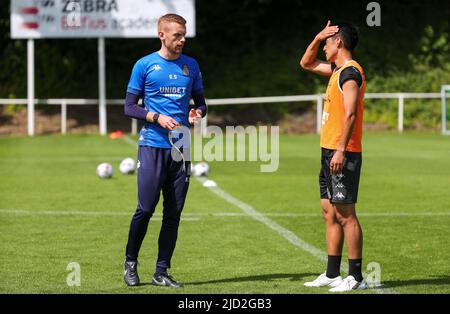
(156, 172)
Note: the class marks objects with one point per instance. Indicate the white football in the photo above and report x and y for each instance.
(201, 169)
(104, 170)
(127, 166)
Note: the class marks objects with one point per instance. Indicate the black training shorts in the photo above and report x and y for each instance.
(341, 188)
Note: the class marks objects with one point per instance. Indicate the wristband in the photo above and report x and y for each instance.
(155, 118)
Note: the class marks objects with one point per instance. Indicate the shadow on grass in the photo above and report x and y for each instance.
(267, 277)
(437, 281)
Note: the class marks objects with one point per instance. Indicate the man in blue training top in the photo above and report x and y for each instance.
(165, 80)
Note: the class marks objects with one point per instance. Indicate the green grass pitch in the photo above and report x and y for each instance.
(54, 210)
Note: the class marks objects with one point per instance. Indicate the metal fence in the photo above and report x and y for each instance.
(318, 99)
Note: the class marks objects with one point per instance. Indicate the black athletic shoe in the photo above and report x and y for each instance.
(165, 279)
(130, 275)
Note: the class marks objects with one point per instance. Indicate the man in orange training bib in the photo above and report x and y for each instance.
(340, 142)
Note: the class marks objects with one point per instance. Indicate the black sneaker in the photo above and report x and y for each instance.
(165, 279)
(130, 275)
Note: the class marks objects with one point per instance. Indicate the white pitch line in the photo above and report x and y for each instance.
(404, 214)
(198, 215)
(285, 233)
(58, 159)
(78, 213)
(129, 140)
(400, 214)
(250, 211)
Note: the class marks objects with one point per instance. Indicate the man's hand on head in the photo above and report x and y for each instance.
(327, 31)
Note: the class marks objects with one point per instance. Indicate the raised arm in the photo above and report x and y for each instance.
(309, 60)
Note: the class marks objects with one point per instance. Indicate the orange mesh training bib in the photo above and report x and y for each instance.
(334, 113)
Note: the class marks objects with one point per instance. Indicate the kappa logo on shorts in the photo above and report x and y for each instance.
(138, 164)
(339, 195)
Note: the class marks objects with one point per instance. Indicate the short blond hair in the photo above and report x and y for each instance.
(171, 17)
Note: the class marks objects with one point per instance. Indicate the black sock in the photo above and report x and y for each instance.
(354, 268)
(333, 266)
(160, 270)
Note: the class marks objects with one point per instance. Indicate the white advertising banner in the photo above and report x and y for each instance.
(95, 18)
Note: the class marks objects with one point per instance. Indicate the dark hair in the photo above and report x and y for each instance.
(348, 34)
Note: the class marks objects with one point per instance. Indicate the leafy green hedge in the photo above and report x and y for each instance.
(429, 70)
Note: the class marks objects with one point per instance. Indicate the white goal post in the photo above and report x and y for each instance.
(445, 92)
